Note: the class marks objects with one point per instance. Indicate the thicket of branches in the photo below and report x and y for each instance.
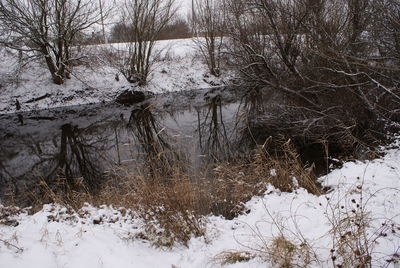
(207, 22)
(334, 65)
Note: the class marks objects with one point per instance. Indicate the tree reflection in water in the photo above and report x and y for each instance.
(76, 160)
(152, 143)
(70, 161)
(215, 143)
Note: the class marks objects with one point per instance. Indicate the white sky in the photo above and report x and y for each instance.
(184, 6)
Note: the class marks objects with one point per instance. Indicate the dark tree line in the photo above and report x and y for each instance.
(177, 29)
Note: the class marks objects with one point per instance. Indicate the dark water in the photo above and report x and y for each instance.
(89, 141)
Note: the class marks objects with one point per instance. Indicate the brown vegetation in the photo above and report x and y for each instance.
(173, 201)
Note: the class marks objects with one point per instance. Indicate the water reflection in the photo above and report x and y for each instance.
(73, 159)
(253, 105)
(77, 160)
(83, 148)
(152, 142)
(215, 143)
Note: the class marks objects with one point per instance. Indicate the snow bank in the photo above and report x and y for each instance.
(105, 236)
(178, 67)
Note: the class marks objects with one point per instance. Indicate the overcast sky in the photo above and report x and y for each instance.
(184, 6)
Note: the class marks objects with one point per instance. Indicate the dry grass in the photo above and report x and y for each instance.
(233, 256)
(351, 246)
(173, 202)
(8, 215)
(278, 251)
(354, 238)
(285, 172)
(58, 191)
(284, 253)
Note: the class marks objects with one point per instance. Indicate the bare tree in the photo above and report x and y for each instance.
(267, 38)
(320, 57)
(207, 24)
(145, 19)
(387, 28)
(47, 29)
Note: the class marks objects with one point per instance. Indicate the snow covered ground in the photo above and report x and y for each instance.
(55, 237)
(178, 67)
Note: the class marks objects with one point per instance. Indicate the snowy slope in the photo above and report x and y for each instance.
(53, 238)
(178, 67)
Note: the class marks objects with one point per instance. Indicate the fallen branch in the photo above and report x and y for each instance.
(39, 98)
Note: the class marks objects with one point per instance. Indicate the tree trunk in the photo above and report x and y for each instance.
(58, 78)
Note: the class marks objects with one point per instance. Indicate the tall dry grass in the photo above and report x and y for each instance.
(174, 202)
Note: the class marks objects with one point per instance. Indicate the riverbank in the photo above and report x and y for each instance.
(357, 219)
(177, 67)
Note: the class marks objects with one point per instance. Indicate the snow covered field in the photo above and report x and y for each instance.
(361, 192)
(178, 67)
